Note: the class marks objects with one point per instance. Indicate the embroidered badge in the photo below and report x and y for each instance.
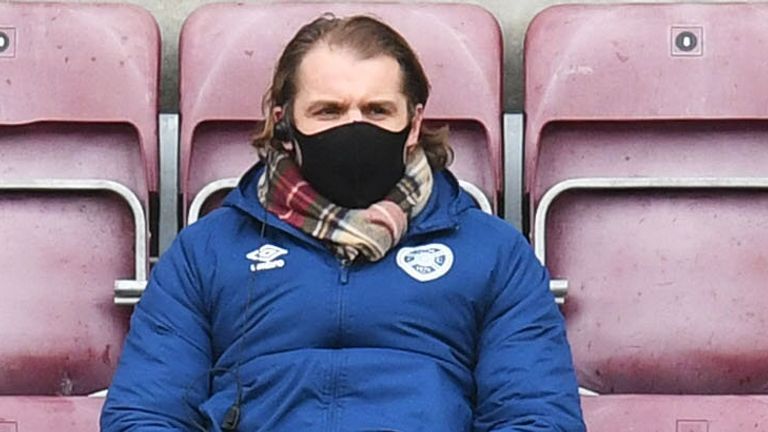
(425, 263)
(265, 258)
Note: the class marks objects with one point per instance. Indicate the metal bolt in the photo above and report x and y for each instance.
(686, 41)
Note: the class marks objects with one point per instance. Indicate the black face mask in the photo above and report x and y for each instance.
(353, 165)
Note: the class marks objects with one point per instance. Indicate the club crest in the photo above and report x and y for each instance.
(425, 263)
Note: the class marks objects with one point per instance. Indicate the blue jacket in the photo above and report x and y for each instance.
(453, 330)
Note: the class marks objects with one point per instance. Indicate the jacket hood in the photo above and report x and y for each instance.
(442, 211)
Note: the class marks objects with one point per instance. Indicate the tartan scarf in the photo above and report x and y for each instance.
(372, 231)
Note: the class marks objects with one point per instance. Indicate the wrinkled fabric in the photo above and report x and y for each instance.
(455, 329)
(370, 232)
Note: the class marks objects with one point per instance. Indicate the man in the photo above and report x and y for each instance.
(347, 283)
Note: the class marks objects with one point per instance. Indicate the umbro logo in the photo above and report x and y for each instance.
(266, 258)
(425, 263)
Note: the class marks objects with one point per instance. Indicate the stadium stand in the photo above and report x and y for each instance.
(645, 178)
(78, 169)
(646, 170)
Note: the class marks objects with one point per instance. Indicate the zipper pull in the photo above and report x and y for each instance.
(344, 271)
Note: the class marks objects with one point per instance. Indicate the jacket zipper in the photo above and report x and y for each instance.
(344, 271)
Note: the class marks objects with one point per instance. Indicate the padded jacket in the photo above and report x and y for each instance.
(455, 329)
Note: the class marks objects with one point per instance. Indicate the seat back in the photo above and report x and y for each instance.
(78, 163)
(79, 93)
(228, 52)
(646, 168)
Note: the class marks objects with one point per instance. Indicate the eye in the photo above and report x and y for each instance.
(378, 111)
(327, 112)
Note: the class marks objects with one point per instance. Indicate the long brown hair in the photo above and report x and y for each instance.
(368, 37)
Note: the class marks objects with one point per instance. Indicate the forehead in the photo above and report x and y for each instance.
(340, 73)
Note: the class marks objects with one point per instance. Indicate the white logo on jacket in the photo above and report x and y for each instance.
(265, 258)
(425, 263)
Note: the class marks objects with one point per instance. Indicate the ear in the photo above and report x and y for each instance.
(277, 115)
(413, 135)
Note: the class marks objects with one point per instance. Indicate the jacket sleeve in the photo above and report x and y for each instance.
(524, 373)
(162, 374)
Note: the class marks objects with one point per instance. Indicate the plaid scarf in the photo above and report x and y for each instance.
(347, 232)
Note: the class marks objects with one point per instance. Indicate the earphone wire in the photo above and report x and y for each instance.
(234, 410)
(232, 416)
(188, 387)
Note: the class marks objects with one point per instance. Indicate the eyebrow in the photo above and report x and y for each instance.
(325, 103)
(390, 105)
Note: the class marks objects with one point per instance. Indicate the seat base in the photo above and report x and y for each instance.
(674, 413)
(45, 414)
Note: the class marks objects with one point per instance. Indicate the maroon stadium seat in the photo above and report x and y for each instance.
(48, 414)
(675, 413)
(78, 163)
(647, 174)
(227, 56)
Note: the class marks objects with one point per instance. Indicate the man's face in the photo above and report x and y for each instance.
(336, 87)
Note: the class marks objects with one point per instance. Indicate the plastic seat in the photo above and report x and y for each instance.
(45, 414)
(78, 167)
(647, 175)
(675, 413)
(228, 52)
